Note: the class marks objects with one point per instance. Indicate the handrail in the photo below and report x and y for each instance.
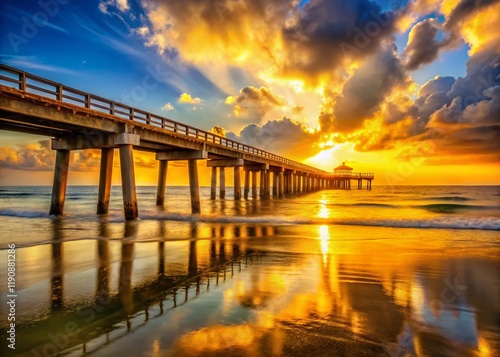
(31, 83)
(359, 175)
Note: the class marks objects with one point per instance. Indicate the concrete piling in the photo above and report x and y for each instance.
(60, 181)
(128, 182)
(194, 187)
(162, 182)
(222, 182)
(213, 183)
(237, 183)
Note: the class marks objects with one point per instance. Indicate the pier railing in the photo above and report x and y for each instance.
(353, 175)
(30, 83)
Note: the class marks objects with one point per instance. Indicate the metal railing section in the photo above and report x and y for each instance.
(354, 175)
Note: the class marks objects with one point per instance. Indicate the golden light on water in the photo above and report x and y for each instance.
(324, 211)
(324, 236)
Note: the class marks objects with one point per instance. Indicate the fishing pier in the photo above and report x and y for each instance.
(76, 120)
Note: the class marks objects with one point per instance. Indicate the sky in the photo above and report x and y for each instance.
(409, 90)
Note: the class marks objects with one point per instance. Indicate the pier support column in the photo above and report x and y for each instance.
(162, 182)
(60, 181)
(267, 184)
(237, 183)
(222, 183)
(254, 184)
(247, 184)
(262, 183)
(191, 156)
(128, 181)
(194, 187)
(275, 184)
(281, 184)
(213, 183)
(105, 180)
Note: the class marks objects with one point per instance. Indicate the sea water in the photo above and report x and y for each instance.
(395, 271)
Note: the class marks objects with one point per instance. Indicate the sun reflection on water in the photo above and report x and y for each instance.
(324, 235)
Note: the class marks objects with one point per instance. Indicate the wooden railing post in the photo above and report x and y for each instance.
(22, 81)
(60, 92)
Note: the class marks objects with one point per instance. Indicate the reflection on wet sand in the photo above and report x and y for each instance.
(57, 269)
(130, 306)
(351, 305)
(286, 303)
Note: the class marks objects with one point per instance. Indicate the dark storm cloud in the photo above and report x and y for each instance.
(254, 103)
(328, 32)
(463, 114)
(483, 72)
(463, 10)
(449, 99)
(283, 137)
(438, 84)
(422, 47)
(364, 91)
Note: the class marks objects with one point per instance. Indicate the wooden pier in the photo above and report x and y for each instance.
(77, 120)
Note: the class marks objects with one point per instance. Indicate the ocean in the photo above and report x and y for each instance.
(395, 271)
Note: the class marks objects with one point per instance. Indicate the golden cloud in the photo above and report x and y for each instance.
(186, 98)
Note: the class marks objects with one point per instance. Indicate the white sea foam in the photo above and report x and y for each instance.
(23, 213)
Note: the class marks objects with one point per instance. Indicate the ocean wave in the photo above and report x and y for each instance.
(452, 207)
(484, 223)
(364, 204)
(16, 194)
(487, 223)
(448, 198)
(25, 214)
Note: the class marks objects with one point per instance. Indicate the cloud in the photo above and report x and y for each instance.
(461, 116)
(186, 98)
(121, 5)
(39, 156)
(168, 107)
(462, 20)
(33, 157)
(219, 130)
(363, 93)
(271, 38)
(283, 137)
(437, 84)
(422, 46)
(254, 102)
(425, 6)
(341, 52)
(328, 34)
